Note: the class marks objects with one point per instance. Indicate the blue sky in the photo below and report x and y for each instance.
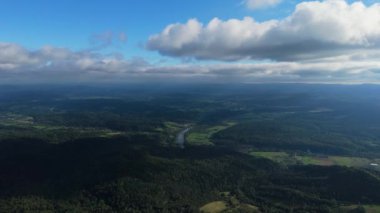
(213, 39)
(70, 23)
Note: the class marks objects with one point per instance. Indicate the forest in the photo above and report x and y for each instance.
(250, 148)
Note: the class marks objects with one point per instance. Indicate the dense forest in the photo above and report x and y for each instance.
(113, 148)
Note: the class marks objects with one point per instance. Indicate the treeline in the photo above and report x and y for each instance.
(301, 134)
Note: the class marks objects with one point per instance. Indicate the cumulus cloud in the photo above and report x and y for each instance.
(258, 4)
(330, 41)
(17, 61)
(12, 56)
(314, 30)
(52, 64)
(331, 70)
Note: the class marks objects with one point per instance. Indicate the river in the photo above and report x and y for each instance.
(180, 139)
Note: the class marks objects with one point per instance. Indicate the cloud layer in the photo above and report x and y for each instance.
(51, 64)
(330, 41)
(314, 30)
(17, 62)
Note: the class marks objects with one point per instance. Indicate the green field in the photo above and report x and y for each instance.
(372, 208)
(229, 203)
(292, 159)
(355, 208)
(214, 207)
(11, 119)
(20, 126)
(202, 135)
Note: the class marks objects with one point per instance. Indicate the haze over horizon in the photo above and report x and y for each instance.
(247, 41)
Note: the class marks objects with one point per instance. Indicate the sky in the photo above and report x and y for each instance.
(250, 41)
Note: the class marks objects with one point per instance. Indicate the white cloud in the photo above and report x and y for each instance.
(314, 30)
(329, 41)
(258, 4)
(51, 64)
(57, 63)
(13, 55)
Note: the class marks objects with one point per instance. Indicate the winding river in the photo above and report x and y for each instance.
(180, 139)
